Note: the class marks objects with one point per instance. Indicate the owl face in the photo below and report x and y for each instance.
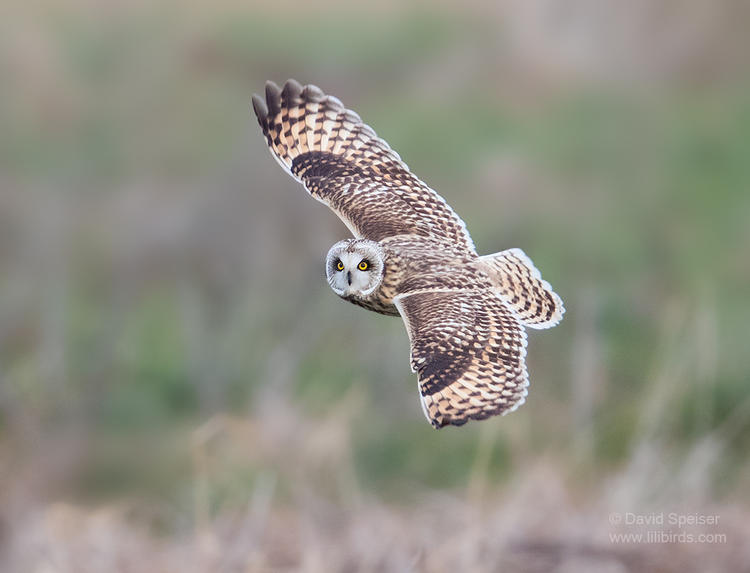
(355, 267)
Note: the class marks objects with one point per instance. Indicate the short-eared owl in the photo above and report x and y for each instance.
(412, 256)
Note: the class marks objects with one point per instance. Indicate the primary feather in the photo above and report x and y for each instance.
(344, 164)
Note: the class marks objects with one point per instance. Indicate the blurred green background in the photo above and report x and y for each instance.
(181, 391)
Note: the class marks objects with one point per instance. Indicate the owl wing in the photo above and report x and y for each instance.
(468, 349)
(523, 289)
(344, 164)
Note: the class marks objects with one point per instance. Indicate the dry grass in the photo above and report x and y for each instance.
(310, 514)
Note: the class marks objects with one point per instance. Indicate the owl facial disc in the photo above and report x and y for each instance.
(354, 267)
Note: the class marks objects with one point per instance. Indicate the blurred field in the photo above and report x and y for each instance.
(181, 391)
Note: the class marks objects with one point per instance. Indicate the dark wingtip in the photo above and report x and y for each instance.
(313, 93)
(292, 89)
(259, 107)
(273, 98)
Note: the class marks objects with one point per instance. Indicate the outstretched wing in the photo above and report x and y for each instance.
(523, 289)
(468, 350)
(344, 164)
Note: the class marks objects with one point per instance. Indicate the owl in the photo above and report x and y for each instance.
(412, 256)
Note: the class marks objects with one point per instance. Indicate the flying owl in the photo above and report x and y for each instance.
(412, 256)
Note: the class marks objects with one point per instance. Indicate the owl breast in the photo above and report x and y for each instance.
(375, 303)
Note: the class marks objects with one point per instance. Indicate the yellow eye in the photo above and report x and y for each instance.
(340, 266)
(362, 266)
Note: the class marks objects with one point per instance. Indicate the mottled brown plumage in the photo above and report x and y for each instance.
(468, 349)
(465, 314)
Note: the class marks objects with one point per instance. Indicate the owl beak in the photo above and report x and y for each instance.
(349, 277)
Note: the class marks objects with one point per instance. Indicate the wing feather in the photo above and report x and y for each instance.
(468, 349)
(522, 288)
(344, 164)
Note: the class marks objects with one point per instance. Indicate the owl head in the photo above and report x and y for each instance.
(354, 267)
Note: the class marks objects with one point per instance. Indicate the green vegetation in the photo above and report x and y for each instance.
(159, 275)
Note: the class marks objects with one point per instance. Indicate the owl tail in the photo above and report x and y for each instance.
(521, 286)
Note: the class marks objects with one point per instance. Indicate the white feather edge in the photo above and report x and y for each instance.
(397, 302)
(536, 273)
